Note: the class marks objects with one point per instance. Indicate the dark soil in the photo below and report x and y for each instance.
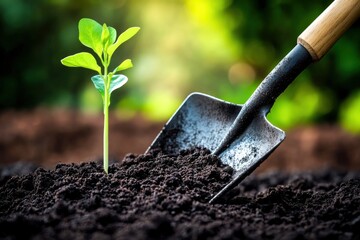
(165, 197)
(157, 196)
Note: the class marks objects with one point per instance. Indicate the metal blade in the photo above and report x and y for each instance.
(201, 121)
(248, 151)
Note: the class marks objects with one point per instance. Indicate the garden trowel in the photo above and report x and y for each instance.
(240, 134)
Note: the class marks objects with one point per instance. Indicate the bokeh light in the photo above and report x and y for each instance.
(223, 48)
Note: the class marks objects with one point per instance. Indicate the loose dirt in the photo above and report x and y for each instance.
(52, 185)
(158, 196)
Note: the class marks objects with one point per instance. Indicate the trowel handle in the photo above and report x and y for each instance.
(322, 33)
(312, 45)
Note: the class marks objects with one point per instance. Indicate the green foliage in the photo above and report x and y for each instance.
(123, 66)
(129, 33)
(223, 48)
(83, 59)
(101, 39)
(90, 35)
(116, 82)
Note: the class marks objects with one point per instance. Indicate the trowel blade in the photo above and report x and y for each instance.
(200, 121)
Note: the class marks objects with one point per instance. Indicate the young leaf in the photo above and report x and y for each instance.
(124, 65)
(117, 81)
(90, 34)
(129, 33)
(83, 59)
(112, 34)
(105, 35)
(99, 84)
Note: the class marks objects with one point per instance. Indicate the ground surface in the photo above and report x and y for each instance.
(156, 196)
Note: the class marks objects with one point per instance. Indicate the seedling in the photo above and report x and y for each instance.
(102, 39)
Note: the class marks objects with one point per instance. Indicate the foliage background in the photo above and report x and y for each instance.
(223, 48)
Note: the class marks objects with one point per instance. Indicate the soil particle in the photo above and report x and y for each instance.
(157, 196)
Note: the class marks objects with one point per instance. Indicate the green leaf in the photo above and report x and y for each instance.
(108, 36)
(129, 33)
(83, 59)
(99, 84)
(116, 82)
(112, 34)
(105, 35)
(90, 34)
(124, 65)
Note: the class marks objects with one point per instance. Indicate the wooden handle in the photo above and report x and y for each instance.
(322, 33)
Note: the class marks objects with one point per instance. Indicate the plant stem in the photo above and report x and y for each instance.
(106, 133)
(106, 115)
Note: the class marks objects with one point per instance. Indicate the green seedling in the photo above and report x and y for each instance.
(102, 40)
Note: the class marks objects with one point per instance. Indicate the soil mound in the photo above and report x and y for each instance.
(157, 196)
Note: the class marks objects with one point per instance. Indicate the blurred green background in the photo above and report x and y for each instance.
(223, 48)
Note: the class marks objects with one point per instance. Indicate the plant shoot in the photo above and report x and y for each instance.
(104, 42)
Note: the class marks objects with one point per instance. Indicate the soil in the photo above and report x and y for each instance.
(157, 196)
